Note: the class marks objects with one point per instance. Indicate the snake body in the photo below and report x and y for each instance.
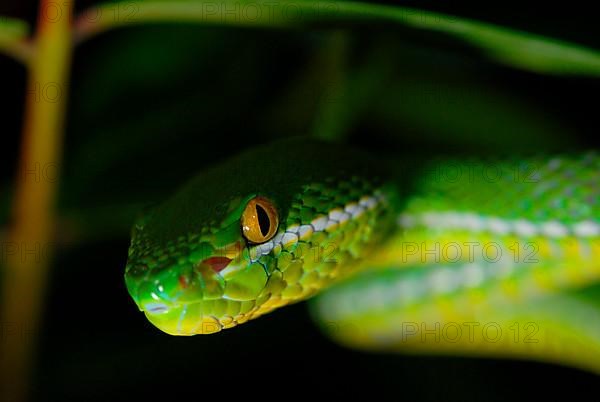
(407, 251)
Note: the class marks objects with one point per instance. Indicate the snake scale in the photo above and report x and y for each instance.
(468, 257)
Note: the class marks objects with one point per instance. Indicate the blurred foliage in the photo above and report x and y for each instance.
(145, 115)
(13, 35)
(512, 47)
(12, 29)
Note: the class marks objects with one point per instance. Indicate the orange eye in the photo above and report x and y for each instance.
(259, 220)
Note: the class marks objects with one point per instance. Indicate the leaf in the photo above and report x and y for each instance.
(13, 33)
(508, 46)
(511, 47)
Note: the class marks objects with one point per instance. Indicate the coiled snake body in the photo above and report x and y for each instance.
(469, 257)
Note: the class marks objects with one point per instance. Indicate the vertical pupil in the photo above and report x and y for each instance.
(263, 220)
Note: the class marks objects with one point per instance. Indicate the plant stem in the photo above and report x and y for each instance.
(30, 236)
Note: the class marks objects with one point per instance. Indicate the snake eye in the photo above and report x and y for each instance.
(259, 220)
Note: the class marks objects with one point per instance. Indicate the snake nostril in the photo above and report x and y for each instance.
(217, 263)
(156, 308)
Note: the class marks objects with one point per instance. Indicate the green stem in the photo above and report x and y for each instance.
(30, 236)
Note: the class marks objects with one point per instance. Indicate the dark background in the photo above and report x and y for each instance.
(149, 106)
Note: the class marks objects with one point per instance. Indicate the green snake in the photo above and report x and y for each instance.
(468, 257)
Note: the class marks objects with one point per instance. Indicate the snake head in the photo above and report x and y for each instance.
(216, 274)
(266, 228)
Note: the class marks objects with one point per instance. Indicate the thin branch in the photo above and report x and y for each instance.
(22, 50)
(14, 41)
